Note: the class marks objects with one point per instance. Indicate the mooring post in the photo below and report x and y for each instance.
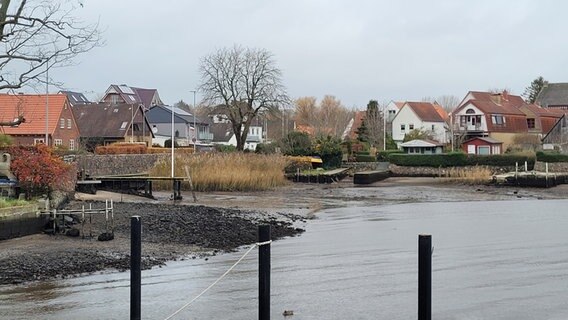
(135, 261)
(526, 167)
(264, 273)
(424, 277)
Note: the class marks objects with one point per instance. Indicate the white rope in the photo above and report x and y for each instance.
(258, 244)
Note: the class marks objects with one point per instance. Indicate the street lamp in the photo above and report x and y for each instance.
(194, 127)
(172, 142)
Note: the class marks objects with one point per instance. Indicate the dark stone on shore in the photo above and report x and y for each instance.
(73, 232)
(106, 236)
(163, 225)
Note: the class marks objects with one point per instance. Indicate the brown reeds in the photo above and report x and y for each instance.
(470, 175)
(225, 171)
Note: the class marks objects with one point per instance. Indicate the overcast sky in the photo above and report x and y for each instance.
(355, 50)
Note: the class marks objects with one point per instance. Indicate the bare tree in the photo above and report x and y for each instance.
(448, 102)
(36, 34)
(328, 118)
(241, 82)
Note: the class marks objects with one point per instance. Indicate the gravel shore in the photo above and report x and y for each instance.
(170, 232)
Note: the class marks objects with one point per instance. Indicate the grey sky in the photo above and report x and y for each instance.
(355, 50)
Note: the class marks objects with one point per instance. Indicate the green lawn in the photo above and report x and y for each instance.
(6, 203)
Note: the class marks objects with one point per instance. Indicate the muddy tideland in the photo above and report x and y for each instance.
(217, 222)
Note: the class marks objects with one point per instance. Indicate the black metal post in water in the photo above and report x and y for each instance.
(135, 273)
(424, 277)
(264, 273)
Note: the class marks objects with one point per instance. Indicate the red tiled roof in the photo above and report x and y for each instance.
(488, 107)
(398, 104)
(32, 107)
(427, 111)
(502, 98)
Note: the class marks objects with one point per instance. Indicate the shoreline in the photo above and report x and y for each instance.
(219, 222)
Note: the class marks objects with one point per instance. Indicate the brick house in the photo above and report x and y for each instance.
(61, 127)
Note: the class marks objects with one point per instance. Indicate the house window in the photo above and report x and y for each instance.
(71, 144)
(123, 125)
(496, 150)
(483, 150)
(433, 128)
(402, 127)
(497, 119)
(411, 126)
(38, 141)
(531, 123)
(57, 142)
(68, 123)
(62, 123)
(114, 99)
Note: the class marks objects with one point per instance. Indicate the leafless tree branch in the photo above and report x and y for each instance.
(36, 34)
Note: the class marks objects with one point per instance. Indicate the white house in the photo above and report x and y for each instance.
(425, 116)
(392, 108)
(223, 135)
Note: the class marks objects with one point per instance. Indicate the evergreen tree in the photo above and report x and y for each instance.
(363, 132)
(532, 91)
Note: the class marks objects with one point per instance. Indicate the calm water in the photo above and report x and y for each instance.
(492, 260)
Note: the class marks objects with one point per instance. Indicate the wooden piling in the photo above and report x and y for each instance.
(424, 277)
(264, 273)
(135, 270)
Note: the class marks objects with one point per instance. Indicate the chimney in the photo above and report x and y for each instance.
(496, 97)
(505, 95)
(545, 84)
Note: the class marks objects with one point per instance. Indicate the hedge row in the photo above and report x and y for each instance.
(121, 149)
(384, 155)
(458, 160)
(364, 158)
(551, 157)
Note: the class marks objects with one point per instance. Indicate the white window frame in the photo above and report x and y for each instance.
(38, 141)
(57, 142)
(62, 123)
(69, 123)
(71, 144)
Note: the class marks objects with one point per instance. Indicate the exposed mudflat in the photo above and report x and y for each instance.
(169, 232)
(220, 221)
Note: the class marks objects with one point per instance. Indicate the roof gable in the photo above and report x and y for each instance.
(103, 120)
(553, 94)
(33, 108)
(427, 111)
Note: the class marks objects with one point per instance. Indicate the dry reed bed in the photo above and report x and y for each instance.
(473, 176)
(225, 171)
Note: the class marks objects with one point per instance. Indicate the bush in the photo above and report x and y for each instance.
(168, 143)
(266, 148)
(40, 171)
(502, 160)
(364, 158)
(297, 144)
(384, 155)
(551, 157)
(329, 149)
(121, 149)
(225, 148)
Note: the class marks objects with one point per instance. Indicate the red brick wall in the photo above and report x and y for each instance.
(66, 134)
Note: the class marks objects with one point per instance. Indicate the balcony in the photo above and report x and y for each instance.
(471, 127)
(205, 136)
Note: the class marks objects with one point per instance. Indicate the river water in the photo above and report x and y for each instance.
(492, 260)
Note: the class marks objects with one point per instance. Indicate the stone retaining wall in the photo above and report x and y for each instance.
(437, 172)
(366, 166)
(552, 166)
(117, 164)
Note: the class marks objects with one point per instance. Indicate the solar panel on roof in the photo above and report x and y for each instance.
(126, 89)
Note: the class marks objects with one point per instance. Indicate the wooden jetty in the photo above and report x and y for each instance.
(140, 184)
